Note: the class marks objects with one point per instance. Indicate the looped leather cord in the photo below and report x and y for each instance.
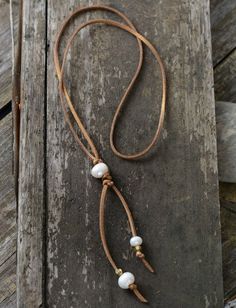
(92, 152)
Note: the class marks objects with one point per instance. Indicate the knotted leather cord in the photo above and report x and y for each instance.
(93, 153)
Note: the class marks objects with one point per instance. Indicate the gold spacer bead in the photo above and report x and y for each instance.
(119, 271)
(137, 248)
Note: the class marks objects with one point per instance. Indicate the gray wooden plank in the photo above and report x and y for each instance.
(31, 173)
(225, 79)
(9, 302)
(231, 304)
(223, 26)
(8, 280)
(173, 194)
(7, 214)
(5, 53)
(228, 215)
(226, 141)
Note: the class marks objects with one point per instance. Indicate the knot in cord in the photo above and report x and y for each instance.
(140, 255)
(107, 180)
(132, 286)
(97, 161)
(91, 151)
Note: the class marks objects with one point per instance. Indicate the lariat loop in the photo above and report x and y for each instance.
(100, 169)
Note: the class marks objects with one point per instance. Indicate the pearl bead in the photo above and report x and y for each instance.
(125, 280)
(136, 241)
(99, 170)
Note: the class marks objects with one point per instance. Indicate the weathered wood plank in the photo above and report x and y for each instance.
(226, 141)
(7, 214)
(223, 27)
(225, 79)
(231, 304)
(8, 280)
(174, 194)
(228, 212)
(5, 54)
(31, 174)
(228, 220)
(9, 302)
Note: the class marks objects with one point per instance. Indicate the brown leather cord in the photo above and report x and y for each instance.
(92, 152)
(59, 71)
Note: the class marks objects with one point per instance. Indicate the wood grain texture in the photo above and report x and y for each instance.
(173, 193)
(223, 27)
(225, 79)
(9, 302)
(228, 212)
(5, 53)
(228, 215)
(7, 215)
(31, 174)
(231, 304)
(226, 141)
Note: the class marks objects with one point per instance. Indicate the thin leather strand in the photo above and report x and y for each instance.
(102, 226)
(133, 287)
(91, 151)
(63, 89)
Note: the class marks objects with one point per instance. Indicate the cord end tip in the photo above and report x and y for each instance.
(148, 266)
(142, 299)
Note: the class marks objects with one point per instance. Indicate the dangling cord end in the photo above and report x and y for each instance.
(141, 256)
(126, 281)
(133, 287)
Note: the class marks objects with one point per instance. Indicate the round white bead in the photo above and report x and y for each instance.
(125, 280)
(99, 170)
(136, 241)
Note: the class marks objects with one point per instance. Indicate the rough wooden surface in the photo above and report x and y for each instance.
(228, 212)
(231, 304)
(7, 200)
(228, 220)
(223, 26)
(225, 79)
(7, 216)
(226, 141)
(31, 180)
(5, 54)
(173, 193)
(223, 16)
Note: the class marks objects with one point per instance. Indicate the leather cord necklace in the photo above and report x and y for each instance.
(100, 170)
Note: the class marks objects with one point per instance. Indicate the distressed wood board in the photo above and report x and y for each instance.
(173, 193)
(226, 141)
(228, 216)
(5, 53)
(30, 253)
(7, 215)
(231, 304)
(228, 212)
(225, 79)
(223, 27)
(7, 197)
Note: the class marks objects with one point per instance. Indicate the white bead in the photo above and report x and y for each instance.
(125, 280)
(99, 170)
(136, 241)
